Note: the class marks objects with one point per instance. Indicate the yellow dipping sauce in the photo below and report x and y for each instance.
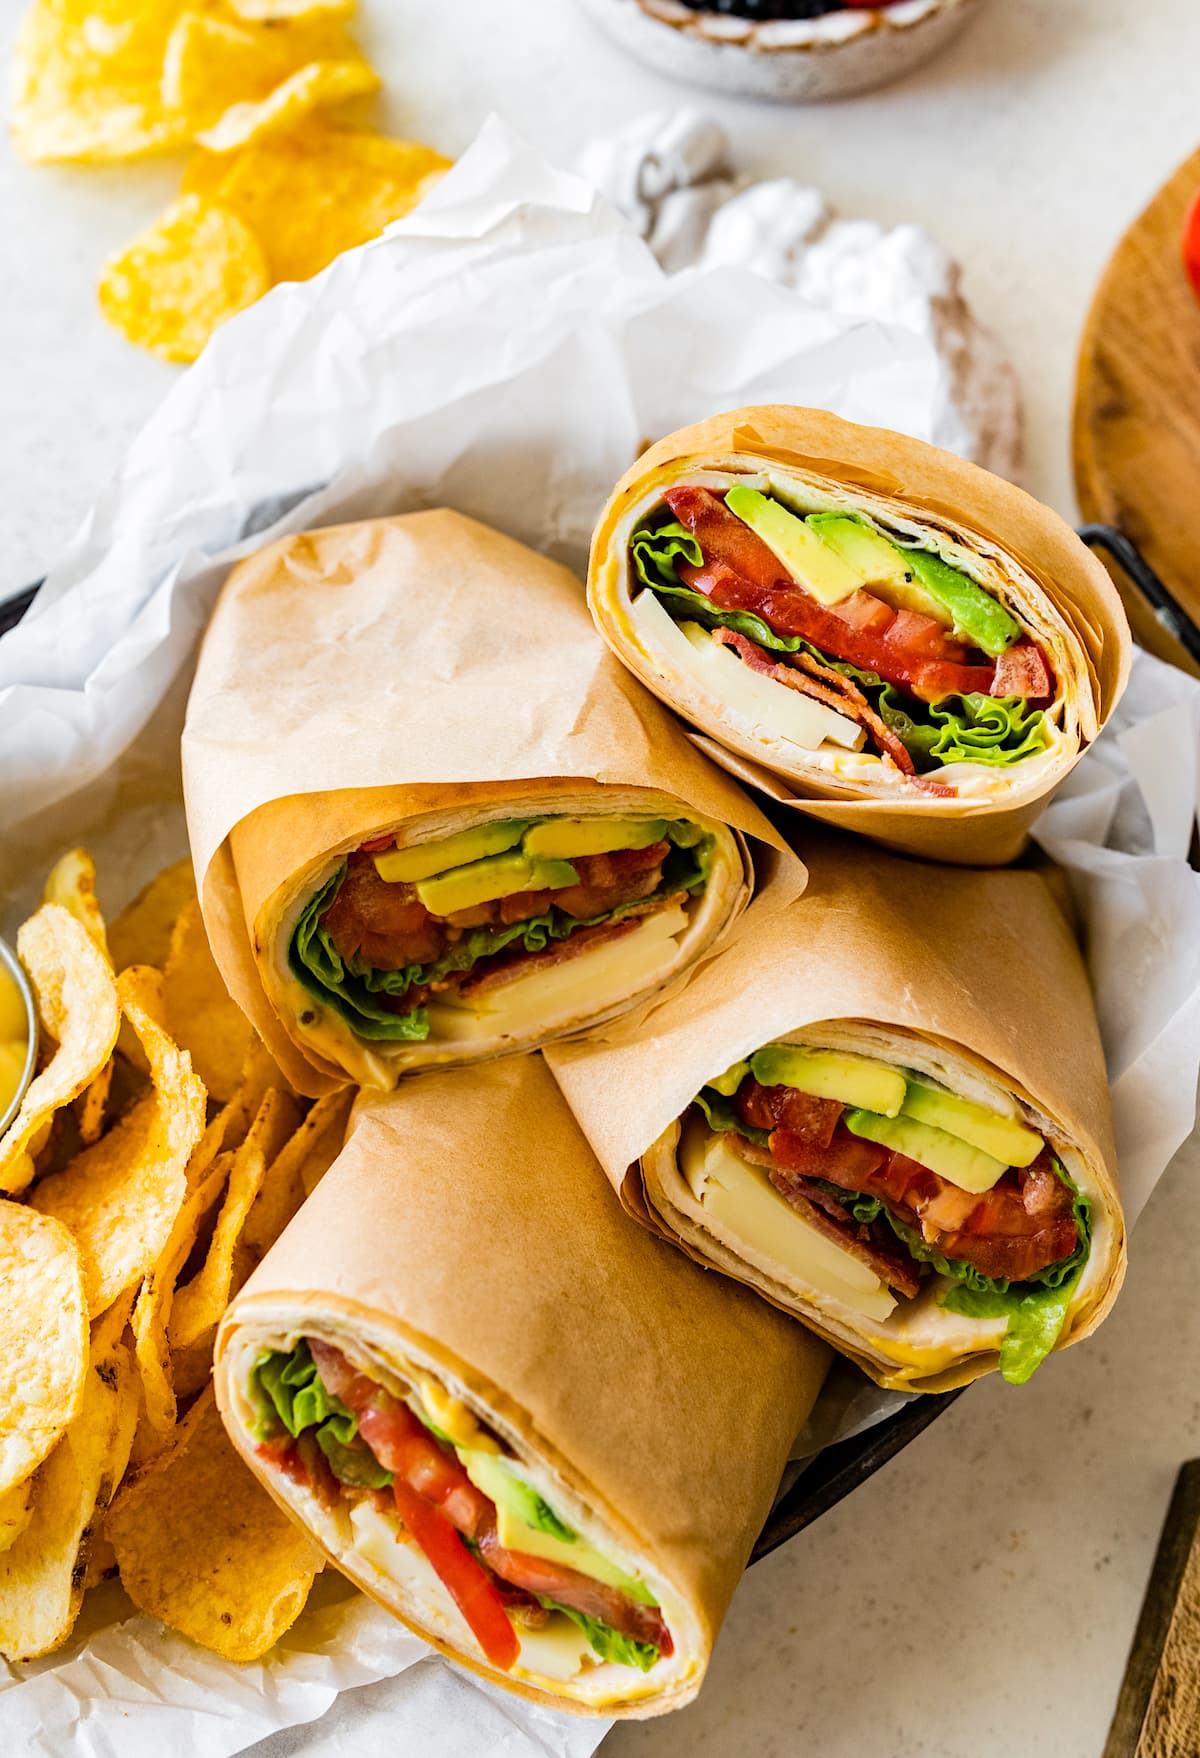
(14, 1038)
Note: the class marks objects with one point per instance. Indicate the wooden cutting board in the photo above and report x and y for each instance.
(1137, 406)
(1158, 1710)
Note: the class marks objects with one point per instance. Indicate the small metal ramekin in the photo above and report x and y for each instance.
(11, 964)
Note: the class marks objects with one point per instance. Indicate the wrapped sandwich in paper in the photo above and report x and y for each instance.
(871, 629)
(433, 821)
(886, 1110)
(542, 1438)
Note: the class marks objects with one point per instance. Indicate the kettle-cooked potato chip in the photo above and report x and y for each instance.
(152, 1312)
(72, 882)
(120, 1197)
(76, 996)
(275, 9)
(200, 1304)
(85, 80)
(199, 1011)
(42, 1573)
(182, 277)
(317, 191)
(141, 934)
(43, 1339)
(319, 85)
(213, 64)
(113, 79)
(201, 1545)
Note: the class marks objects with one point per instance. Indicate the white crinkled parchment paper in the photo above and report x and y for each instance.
(505, 350)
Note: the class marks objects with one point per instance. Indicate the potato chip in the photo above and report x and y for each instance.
(181, 278)
(77, 1004)
(265, 10)
(141, 934)
(15, 1508)
(85, 80)
(72, 883)
(153, 1310)
(309, 195)
(201, 1545)
(318, 85)
(43, 1338)
(120, 1197)
(201, 1303)
(296, 1169)
(200, 1013)
(92, 1103)
(42, 1574)
(212, 65)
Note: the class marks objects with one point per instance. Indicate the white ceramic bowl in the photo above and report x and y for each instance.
(795, 61)
(11, 965)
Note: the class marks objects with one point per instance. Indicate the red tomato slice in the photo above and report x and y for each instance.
(404, 1446)
(1191, 245)
(376, 845)
(466, 1580)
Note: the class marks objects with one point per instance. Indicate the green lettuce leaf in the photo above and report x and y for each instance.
(352, 986)
(288, 1390)
(721, 1116)
(996, 730)
(606, 1642)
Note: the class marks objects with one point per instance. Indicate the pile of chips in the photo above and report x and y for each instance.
(274, 192)
(156, 1156)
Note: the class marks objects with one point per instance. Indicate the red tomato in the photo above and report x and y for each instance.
(1191, 245)
(404, 1446)
(466, 1580)
(377, 844)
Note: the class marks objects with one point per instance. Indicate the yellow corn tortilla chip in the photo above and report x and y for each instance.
(153, 1310)
(76, 997)
(200, 1304)
(141, 934)
(319, 85)
(201, 1545)
(298, 1166)
(200, 1013)
(183, 277)
(72, 882)
(42, 1573)
(119, 1197)
(315, 192)
(16, 1505)
(85, 80)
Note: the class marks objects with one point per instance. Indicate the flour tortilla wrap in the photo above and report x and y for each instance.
(466, 1247)
(969, 980)
(1022, 554)
(418, 678)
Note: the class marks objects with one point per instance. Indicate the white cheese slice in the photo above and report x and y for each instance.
(761, 706)
(588, 984)
(743, 1200)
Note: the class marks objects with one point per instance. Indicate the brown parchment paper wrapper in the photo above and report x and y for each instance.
(467, 1232)
(1059, 586)
(355, 677)
(973, 973)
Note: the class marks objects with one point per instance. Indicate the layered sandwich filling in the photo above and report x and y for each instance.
(879, 1186)
(409, 942)
(420, 1471)
(838, 635)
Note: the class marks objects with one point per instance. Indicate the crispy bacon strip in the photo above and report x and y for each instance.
(894, 1267)
(840, 693)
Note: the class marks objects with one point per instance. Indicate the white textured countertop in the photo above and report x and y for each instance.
(978, 1596)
